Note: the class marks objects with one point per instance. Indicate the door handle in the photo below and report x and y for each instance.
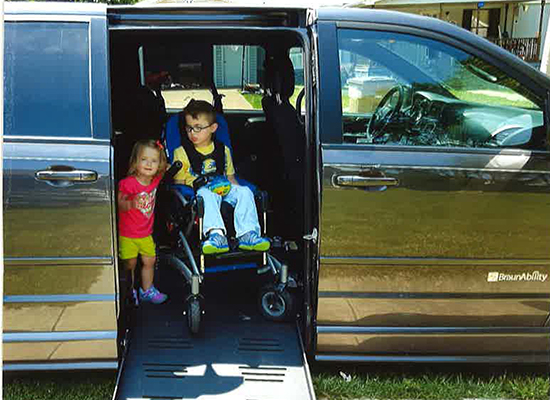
(62, 173)
(364, 181)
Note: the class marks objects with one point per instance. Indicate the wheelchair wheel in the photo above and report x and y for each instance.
(194, 316)
(275, 305)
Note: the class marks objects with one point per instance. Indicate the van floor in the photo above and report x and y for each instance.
(239, 355)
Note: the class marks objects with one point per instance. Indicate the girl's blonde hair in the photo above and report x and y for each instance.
(138, 149)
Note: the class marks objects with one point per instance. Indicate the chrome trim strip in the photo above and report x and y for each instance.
(430, 295)
(57, 336)
(45, 18)
(412, 261)
(431, 149)
(55, 261)
(441, 168)
(90, 97)
(383, 330)
(60, 366)
(181, 26)
(538, 358)
(59, 159)
(56, 139)
(58, 298)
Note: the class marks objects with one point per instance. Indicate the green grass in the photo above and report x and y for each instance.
(59, 386)
(389, 382)
(436, 387)
(255, 100)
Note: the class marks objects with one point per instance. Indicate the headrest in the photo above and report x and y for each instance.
(279, 76)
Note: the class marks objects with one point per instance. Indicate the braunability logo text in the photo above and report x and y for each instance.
(526, 276)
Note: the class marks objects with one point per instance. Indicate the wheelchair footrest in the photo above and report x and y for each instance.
(230, 267)
(234, 254)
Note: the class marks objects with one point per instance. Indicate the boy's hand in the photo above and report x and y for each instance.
(233, 180)
(126, 202)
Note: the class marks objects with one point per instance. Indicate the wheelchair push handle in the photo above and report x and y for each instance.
(172, 171)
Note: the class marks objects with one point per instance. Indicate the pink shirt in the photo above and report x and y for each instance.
(138, 222)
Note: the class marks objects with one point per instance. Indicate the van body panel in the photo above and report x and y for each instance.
(58, 215)
(457, 247)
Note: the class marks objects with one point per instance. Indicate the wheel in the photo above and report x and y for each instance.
(275, 305)
(194, 316)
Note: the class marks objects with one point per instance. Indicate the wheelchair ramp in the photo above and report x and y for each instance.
(238, 356)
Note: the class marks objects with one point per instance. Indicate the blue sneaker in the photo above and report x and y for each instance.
(215, 244)
(152, 295)
(253, 242)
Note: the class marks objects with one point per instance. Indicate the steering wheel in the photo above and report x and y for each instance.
(385, 111)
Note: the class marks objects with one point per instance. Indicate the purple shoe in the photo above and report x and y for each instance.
(152, 295)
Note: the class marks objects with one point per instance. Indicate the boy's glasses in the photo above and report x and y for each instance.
(197, 129)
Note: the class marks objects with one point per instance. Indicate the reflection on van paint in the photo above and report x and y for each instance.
(60, 351)
(441, 312)
(42, 220)
(46, 317)
(526, 346)
(66, 279)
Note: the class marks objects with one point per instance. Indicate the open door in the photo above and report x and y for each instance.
(237, 353)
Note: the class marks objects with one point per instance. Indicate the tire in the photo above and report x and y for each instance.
(194, 316)
(274, 305)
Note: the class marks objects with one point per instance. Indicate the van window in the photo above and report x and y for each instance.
(237, 72)
(46, 79)
(252, 83)
(400, 89)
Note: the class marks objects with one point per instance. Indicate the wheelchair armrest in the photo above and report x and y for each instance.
(186, 194)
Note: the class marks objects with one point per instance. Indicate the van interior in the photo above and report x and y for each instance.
(269, 149)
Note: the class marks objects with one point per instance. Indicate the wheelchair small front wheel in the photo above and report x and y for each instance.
(275, 305)
(194, 315)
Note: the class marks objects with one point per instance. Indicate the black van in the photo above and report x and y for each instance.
(411, 215)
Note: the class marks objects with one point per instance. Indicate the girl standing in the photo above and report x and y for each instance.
(136, 205)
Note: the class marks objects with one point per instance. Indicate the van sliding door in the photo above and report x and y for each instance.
(59, 278)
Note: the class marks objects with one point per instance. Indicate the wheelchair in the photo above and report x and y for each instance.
(182, 217)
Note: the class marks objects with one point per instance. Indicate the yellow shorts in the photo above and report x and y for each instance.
(130, 247)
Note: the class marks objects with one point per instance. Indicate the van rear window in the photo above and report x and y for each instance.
(47, 79)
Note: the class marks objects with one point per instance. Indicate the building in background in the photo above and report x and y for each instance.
(518, 26)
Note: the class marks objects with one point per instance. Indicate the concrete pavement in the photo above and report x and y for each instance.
(233, 100)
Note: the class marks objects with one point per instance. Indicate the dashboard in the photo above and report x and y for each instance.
(432, 119)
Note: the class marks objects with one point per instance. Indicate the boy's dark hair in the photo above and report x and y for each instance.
(200, 107)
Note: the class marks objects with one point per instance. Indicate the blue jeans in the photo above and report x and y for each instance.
(245, 216)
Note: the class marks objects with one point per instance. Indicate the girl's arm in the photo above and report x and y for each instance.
(125, 203)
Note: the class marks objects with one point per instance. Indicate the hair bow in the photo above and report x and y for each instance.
(159, 144)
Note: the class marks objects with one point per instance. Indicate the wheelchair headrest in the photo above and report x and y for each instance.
(279, 75)
(174, 130)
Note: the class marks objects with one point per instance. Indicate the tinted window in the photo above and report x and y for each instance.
(400, 89)
(46, 79)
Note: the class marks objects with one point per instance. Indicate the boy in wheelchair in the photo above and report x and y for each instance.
(207, 167)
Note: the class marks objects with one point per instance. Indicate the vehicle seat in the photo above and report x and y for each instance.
(282, 118)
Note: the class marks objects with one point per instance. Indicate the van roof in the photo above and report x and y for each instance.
(57, 8)
(341, 15)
